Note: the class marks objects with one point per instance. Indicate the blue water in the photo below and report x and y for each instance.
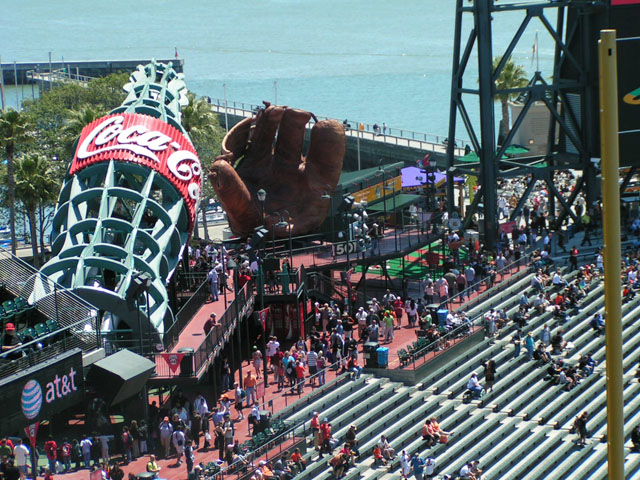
(365, 60)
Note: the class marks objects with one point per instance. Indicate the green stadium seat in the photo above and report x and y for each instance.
(52, 325)
(41, 329)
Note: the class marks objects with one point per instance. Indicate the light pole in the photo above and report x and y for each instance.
(226, 118)
(327, 196)
(276, 216)
(262, 196)
(287, 223)
(392, 187)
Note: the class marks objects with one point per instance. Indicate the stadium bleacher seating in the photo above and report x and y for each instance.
(520, 430)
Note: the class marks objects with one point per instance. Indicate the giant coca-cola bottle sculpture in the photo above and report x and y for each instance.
(128, 206)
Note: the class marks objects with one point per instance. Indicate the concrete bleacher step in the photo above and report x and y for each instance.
(467, 446)
(368, 410)
(575, 459)
(455, 381)
(543, 439)
(511, 432)
(303, 409)
(552, 459)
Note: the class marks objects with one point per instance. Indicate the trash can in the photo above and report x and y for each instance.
(383, 357)
(370, 354)
(442, 317)
(186, 364)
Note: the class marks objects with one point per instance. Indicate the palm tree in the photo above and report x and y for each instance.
(35, 182)
(74, 123)
(13, 131)
(203, 127)
(511, 76)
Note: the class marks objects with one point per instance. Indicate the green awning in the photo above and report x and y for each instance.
(402, 200)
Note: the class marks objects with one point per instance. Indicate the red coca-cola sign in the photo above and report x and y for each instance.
(148, 141)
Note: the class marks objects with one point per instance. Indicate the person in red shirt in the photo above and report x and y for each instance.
(210, 323)
(243, 279)
(300, 376)
(315, 428)
(398, 311)
(51, 449)
(325, 431)
(298, 461)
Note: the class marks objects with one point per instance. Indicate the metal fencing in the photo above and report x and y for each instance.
(194, 361)
(371, 131)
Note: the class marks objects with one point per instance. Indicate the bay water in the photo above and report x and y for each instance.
(370, 61)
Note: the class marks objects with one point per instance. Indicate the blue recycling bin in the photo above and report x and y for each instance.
(383, 357)
(442, 317)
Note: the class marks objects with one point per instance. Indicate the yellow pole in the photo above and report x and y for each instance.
(611, 225)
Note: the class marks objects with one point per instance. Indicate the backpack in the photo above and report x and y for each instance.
(243, 394)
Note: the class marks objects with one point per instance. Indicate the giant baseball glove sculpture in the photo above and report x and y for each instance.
(265, 152)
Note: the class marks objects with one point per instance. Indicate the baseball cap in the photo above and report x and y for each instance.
(10, 327)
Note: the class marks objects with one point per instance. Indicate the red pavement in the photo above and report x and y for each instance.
(192, 335)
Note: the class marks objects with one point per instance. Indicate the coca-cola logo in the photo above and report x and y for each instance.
(145, 140)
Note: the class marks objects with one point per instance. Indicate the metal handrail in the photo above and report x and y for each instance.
(248, 109)
(455, 333)
(185, 314)
(212, 342)
(295, 386)
(240, 472)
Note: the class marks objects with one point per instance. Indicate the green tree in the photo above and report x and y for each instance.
(75, 121)
(51, 114)
(35, 183)
(13, 132)
(511, 76)
(203, 127)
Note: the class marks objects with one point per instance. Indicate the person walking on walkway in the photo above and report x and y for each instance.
(250, 382)
(212, 277)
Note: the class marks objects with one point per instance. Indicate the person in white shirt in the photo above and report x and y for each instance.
(272, 348)
(200, 405)
(429, 467)
(465, 472)
(474, 385)
(21, 453)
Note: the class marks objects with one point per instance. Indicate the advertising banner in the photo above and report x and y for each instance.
(41, 391)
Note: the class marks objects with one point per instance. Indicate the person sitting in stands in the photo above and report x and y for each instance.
(553, 370)
(10, 341)
(385, 448)
(298, 461)
(540, 354)
(635, 439)
(565, 380)
(474, 385)
(339, 464)
(282, 469)
(540, 303)
(353, 367)
(466, 473)
(265, 470)
(428, 433)
(377, 455)
(597, 323)
(438, 432)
